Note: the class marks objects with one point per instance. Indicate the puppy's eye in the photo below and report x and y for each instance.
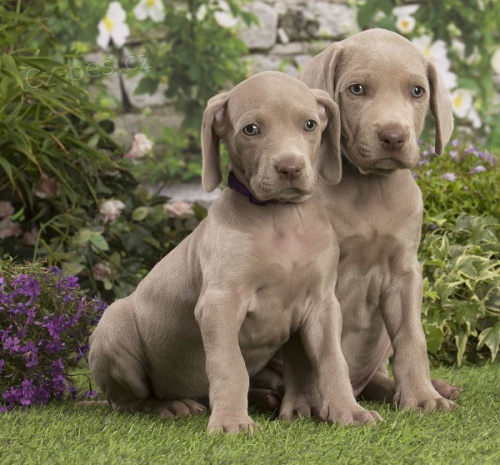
(310, 125)
(417, 91)
(357, 89)
(251, 130)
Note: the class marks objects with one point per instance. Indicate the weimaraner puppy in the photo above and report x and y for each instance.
(384, 87)
(256, 274)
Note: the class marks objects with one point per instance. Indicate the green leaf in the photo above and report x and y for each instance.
(366, 13)
(98, 241)
(140, 213)
(72, 268)
(147, 85)
(461, 339)
(491, 338)
(434, 337)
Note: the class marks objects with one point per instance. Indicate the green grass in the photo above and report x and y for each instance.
(63, 433)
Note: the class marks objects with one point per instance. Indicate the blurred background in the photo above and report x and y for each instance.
(101, 104)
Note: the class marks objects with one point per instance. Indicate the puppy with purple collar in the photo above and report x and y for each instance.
(255, 275)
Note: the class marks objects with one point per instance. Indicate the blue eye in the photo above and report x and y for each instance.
(251, 130)
(357, 89)
(417, 91)
(310, 125)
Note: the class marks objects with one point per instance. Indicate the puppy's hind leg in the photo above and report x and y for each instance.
(118, 366)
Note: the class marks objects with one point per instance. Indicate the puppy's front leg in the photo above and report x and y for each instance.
(225, 366)
(320, 335)
(400, 307)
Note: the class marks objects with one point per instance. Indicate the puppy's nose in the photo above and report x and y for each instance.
(392, 137)
(289, 166)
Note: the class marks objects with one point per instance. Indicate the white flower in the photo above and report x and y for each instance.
(474, 118)
(407, 10)
(201, 14)
(224, 16)
(437, 52)
(449, 78)
(405, 24)
(141, 146)
(111, 210)
(152, 8)
(495, 61)
(461, 100)
(113, 27)
(459, 47)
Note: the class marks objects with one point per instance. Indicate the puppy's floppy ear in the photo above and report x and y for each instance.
(319, 73)
(330, 162)
(212, 127)
(440, 107)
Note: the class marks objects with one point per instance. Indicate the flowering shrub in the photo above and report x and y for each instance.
(462, 39)
(68, 192)
(193, 47)
(45, 321)
(460, 253)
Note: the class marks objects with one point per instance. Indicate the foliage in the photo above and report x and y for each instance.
(470, 31)
(45, 322)
(68, 194)
(198, 57)
(460, 254)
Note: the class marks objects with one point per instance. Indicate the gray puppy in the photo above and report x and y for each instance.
(256, 274)
(384, 87)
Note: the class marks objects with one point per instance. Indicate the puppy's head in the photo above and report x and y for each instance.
(384, 87)
(280, 136)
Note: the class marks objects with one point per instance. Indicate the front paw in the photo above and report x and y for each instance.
(232, 424)
(425, 402)
(354, 415)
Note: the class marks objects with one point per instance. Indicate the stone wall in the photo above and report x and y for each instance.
(289, 34)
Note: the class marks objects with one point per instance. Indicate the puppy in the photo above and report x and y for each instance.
(384, 87)
(255, 275)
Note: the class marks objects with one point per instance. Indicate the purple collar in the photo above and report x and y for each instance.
(234, 183)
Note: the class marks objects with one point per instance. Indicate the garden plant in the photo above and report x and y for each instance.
(80, 226)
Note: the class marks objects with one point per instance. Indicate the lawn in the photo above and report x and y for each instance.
(63, 433)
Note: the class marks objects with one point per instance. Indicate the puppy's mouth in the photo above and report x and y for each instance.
(383, 166)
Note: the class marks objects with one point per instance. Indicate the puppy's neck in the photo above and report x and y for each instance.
(235, 184)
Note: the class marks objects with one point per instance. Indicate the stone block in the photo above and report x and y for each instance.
(261, 36)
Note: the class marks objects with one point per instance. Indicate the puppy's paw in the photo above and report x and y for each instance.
(291, 411)
(426, 402)
(355, 415)
(179, 408)
(231, 424)
(446, 390)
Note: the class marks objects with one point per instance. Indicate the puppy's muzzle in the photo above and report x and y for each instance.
(392, 137)
(289, 167)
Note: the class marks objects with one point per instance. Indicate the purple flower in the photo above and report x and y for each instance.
(454, 143)
(11, 344)
(449, 176)
(45, 320)
(90, 394)
(477, 169)
(454, 155)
